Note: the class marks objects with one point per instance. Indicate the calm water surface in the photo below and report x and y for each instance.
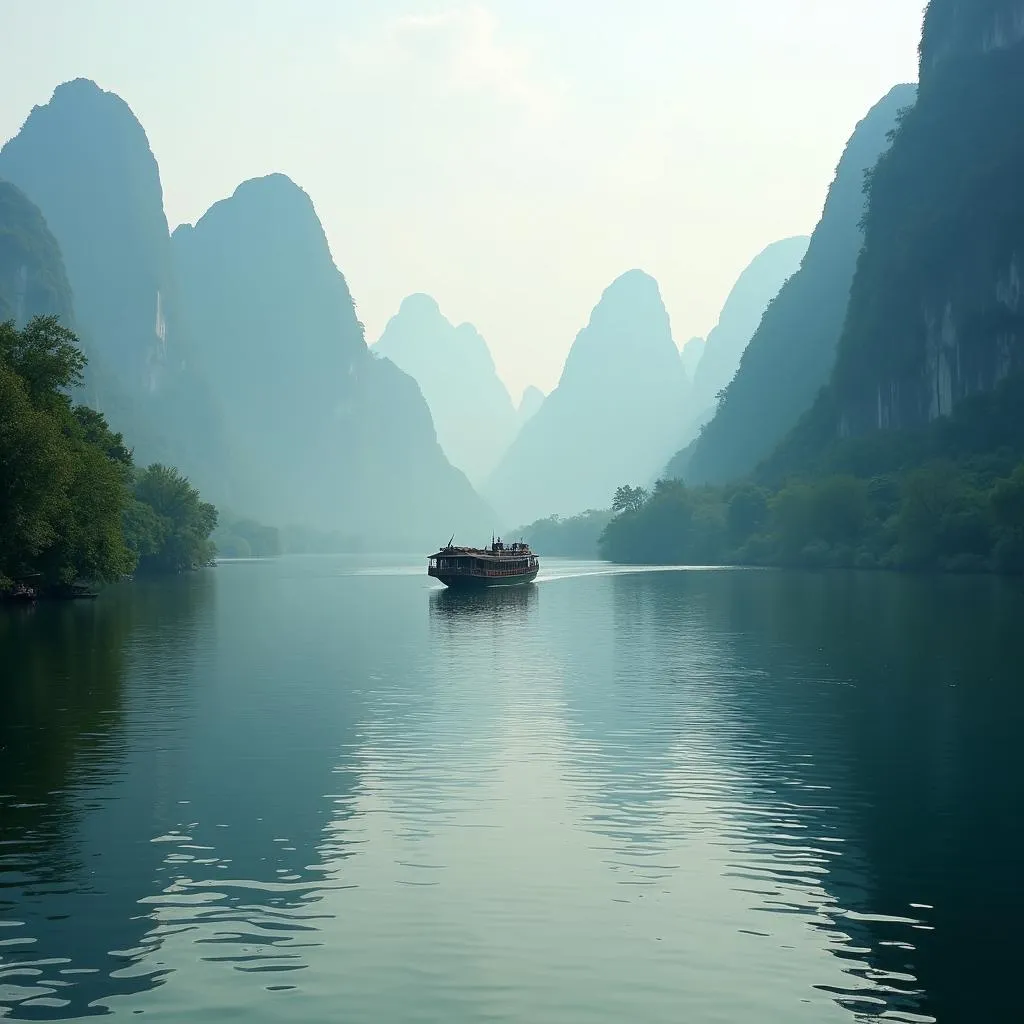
(318, 789)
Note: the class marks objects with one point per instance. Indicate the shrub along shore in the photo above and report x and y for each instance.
(73, 506)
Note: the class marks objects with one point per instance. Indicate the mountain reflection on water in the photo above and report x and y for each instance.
(314, 789)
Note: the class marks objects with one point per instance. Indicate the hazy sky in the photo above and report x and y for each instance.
(511, 157)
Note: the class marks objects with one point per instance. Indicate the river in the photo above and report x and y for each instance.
(320, 789)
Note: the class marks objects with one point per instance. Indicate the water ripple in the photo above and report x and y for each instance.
(310, 787)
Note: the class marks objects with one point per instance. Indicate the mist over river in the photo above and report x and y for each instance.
(321, 789)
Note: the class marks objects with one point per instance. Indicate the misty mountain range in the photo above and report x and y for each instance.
(792, 352)
(234, 353)
(232, 349)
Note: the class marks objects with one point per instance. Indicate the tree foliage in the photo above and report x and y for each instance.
(963, 516)
(567, 536)
(629, 499)
(181, 521)
(71, 507)
(245, 538)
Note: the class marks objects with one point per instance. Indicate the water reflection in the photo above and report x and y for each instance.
(766, 797)
(897, 697)
(75, 798)
(497, 603)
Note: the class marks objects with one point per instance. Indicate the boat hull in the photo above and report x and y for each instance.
(467, 581)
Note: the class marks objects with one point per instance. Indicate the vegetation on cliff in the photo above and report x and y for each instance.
(936, 311)
(792, 353)
(948, 497)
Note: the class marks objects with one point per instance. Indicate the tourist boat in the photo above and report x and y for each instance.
(500, 565)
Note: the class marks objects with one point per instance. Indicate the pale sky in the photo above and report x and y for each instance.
(510, 157)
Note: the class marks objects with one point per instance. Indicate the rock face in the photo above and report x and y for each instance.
(937, 308)
(470, 405)
(84, 160)
(618, 411)
(254, 378)
(793, 351)
(33, 281)
(741, 315)
(529, 405)
(330, 435)
(957, 28)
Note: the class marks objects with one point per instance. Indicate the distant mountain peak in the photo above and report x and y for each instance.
(631, 288)
(274, 198)
(79, 90)
(629, 327)
(82, 106)
(419, 304)
(741, 315)
(274, 184)
(454, 368)
(617, 413)
(316, 416)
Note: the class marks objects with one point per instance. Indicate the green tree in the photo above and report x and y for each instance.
(45, 356)
(180, 525)
(1008, 512)
(90, 541)
(930, 495)
(793, 518)
(95, 431)
(35, 471)
(629, 499)
(747, 513)
(67, 510)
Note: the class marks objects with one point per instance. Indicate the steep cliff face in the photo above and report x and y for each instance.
(936, 312)
(618, 411)
(84, 160)
(740, 317)
(961, 28)
(470, 405)
(33, 281)
(793, 351)
(329, 435)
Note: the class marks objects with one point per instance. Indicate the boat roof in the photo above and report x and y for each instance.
(509, 551)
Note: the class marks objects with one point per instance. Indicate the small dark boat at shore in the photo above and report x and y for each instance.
(24, 593)
(71, 592)
(500, 565)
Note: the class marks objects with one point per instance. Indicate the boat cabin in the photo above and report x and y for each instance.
(498, 562)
